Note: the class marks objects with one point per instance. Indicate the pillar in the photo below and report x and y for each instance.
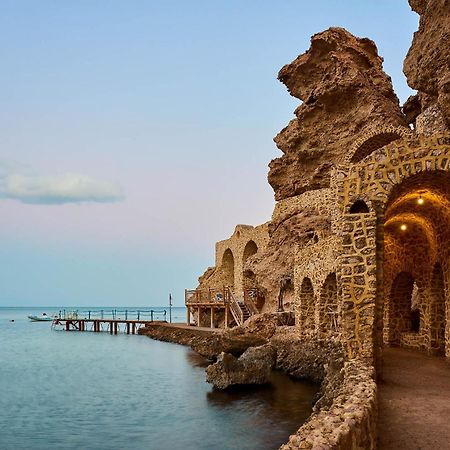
(198, 321)
(212, 317)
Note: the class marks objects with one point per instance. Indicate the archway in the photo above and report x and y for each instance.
(328, 313)
(307, 305)
(228, 268)
(437, 322)
(248, 275)
(402, 310)
(416, 248)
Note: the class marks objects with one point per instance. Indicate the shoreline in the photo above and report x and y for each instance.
(344, 414)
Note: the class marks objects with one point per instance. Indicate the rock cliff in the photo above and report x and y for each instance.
(344, 93)
(427, 68)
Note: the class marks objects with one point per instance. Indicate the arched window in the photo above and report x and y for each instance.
(359, 207)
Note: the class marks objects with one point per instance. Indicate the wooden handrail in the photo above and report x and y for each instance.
(235, 309)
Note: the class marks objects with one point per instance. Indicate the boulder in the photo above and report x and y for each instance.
(252, 367)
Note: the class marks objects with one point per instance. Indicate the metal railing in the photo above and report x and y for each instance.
(114, 314)
(211, 295)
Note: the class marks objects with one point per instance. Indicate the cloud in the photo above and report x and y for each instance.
(60, 189)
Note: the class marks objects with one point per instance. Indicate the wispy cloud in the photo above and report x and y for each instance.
(54, 190)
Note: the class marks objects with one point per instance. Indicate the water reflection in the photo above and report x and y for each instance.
(280, 406)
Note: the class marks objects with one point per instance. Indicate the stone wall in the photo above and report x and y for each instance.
(350, 422)
(233, 255)
(344, 416)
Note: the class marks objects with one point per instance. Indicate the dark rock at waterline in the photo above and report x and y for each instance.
(252, 367)
(217, 344)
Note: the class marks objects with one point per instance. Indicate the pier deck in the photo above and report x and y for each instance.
(114, 321)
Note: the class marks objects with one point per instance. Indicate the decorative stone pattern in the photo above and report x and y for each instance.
(390, 180)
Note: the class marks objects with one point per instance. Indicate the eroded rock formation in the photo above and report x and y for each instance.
(427, 68)
(344, 91)
(252, 367)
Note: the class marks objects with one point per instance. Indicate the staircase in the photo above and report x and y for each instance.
(240, 309)
(245, 311)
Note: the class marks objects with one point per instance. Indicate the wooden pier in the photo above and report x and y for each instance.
(109, 321)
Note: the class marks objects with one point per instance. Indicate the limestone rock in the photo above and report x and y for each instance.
(426, 65)
(344, 91)
(252, 367)
(216, 344)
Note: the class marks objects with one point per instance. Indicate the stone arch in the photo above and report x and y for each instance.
(228, 268)
(250, 249)
(437, 316)
(401, 315)
(374, 140)
(307, 321)
(391, 180)
(248, 276)
(328, 305)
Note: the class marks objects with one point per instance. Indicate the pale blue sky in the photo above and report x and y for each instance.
(169, 109)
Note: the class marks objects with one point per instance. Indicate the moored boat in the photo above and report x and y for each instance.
(42, 318)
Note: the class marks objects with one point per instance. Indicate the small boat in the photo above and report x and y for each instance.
(41, 318)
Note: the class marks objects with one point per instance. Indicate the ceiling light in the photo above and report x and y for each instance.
(420, 200)
(403, 227)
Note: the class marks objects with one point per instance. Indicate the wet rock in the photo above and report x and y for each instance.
(252, 367)
(345, 92)
(254, 332)
(211, 347)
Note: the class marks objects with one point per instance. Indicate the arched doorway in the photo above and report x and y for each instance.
(307, 305)
(402, 318)
(248, 276)
(416, 249)
(228, 268)
(328, 314)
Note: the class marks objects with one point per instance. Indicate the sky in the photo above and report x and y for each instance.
(134, 135)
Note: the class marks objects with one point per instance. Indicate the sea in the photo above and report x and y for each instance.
(85, 390)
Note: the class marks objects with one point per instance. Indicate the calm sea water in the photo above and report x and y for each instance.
(71, 390)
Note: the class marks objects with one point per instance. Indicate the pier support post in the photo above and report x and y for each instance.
(133, 328)
(212, 317)
(128, 327)
(226, 316)
(67, 325)
(110, 327)
(198, 321)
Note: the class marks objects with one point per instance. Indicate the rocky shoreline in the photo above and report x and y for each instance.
(344, 414)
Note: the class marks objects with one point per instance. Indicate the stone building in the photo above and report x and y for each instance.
(358, 246)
